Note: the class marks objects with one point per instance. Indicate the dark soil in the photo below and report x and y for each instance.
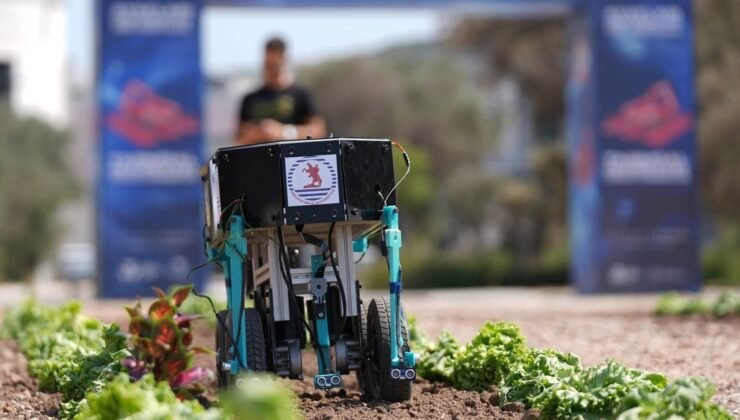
(430, 401)
(19, 395)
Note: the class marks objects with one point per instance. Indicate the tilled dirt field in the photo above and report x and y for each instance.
(594, 328)
(19, 396)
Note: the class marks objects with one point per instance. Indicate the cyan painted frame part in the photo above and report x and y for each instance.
(322, 323)
(359, 244)
(409, 359)
(231, 260)
(393, 243)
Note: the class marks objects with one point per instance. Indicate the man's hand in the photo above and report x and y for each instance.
(271, 129)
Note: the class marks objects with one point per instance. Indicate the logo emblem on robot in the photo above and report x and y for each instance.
(313, 173)
(312, 180)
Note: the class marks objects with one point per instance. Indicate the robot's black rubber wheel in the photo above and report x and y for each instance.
(377, 382)
(223, 342)
(256, 350)
(362, 372)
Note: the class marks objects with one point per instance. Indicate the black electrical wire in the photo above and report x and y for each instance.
(213, 307)
(407, 160)
(339, 283)
(361, 257)
(288, 278)
(241, 305)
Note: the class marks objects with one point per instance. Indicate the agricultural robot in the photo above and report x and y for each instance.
(285, 220)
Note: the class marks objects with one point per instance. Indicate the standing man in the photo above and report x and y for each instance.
(280, 109)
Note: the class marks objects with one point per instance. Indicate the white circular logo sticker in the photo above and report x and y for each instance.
(312, 180)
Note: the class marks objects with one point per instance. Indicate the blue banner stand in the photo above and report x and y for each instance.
(149, 95)
(632, 145)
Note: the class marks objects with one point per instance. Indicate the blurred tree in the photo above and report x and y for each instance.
(718, 83)
(34, 180)
(530, 210)
(549, 166)
(533, 52)
(426, 98)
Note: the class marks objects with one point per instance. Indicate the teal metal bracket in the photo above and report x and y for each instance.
(232, 258)
(360, 244)
(326, 378)
(393, 243)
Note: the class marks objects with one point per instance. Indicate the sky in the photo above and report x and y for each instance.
(232, 39)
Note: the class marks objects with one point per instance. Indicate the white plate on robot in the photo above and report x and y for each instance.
(312, 180)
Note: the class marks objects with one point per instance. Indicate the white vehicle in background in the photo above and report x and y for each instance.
(75, 262)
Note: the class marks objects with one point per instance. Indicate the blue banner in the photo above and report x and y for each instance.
(149, 98)
(634, 205)
(500, 7)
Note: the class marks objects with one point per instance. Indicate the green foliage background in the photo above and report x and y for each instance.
(35, 179)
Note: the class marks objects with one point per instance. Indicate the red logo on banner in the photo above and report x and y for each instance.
(654, 119)
(145, 119)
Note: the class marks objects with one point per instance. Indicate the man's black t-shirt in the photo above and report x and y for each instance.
(292, 105)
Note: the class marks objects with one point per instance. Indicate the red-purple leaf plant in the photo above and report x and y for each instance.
(161, 339)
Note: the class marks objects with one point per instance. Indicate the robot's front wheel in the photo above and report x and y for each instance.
(256, 349)
(376, 381)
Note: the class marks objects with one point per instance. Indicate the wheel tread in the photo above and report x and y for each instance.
(390, 390)
(256, 350)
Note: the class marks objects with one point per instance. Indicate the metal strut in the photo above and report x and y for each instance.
(326, 378)
(393, 243)
(232, 259)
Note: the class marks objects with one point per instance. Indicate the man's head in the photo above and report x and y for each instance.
(275, 60)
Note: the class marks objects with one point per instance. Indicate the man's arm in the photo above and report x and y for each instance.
(314, 127)
(250, 133)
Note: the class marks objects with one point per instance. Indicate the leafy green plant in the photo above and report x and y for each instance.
(82, 358)
(146, 398)
(161, 338)
(726, 304)
(66, 352)
(437, 358)
(596, 392)
(259, 397)
(32, 319)
(673, 303)
(557, 384)
(687, 398)
(488, 359)
(540, 370)
(417, 339)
